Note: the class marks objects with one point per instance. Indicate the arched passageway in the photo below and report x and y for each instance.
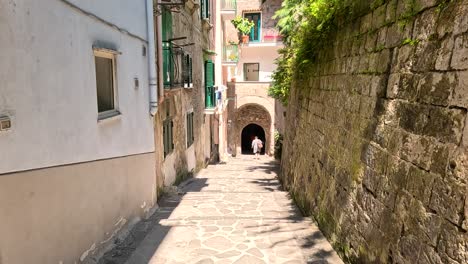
(248, 134)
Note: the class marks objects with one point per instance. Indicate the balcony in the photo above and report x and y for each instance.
(269, 38)
(230, 54)
(228, 9)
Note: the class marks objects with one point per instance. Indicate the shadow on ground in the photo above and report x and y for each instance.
(148, 235)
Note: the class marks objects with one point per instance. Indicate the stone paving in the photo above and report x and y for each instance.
(231, 213)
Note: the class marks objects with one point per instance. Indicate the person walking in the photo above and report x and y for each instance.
(257, 146)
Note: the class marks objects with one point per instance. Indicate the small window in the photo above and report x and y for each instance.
(255, 31)
(105, 83)
(251, 72)
(168, 140)
(205, 9)
(168, 63)
(187, 71)
(190, 137)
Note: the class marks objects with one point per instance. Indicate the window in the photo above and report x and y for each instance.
(168, 65)
(255, 31)
(105, 83)
(168, 140)
(251, 72)
(190, 137)
(205, 9)
(210, 99)
(187, 71)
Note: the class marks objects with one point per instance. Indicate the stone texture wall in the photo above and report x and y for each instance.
(176, 102)
(377, 142)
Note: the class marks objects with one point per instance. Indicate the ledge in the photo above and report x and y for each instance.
(109, 116)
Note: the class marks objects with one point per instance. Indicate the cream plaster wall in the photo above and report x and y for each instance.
(58, 215)
(264, 55)
(48, 84)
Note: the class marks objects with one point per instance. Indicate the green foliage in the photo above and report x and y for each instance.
(306, 26)
(278, 145)
(243, 25)
(412, 42)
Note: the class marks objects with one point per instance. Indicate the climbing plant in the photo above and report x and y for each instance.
(306, 25)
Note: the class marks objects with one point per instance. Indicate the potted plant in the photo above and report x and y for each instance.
(243, 26)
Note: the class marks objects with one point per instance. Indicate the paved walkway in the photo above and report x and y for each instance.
(232, 213)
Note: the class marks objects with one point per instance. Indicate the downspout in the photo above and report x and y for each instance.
(160, 56)
(151, 58)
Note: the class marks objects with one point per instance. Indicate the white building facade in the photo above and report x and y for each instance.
(77, 161)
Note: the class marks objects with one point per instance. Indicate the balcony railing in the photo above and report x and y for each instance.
(231, 53)
(228, 5)
(210, 97)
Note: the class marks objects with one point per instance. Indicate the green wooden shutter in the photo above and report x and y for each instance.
(209, 84)
(190, 73)
(168, 67)
(171, 135)
(207, 6)
(202, 9)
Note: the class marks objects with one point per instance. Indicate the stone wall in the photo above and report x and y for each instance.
(377, 142)
(177, 102)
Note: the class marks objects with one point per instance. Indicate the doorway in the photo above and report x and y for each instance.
(248, 134)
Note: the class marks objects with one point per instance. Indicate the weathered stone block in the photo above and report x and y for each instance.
(460, 24)
(445, 124)
(413, 117)
(420, 184)
(444, 54)
(425, 56)
(453, 243)
(403, 86)
(366, 23)
(422, 224)
(378, 17)
(448, 197)
(424, 4)
(390, 14)
(440, 156)
(460, 53)
(396, 34)
(458, 165)
(429, 255)
(435, 88)
(425, 24)
(403, 59)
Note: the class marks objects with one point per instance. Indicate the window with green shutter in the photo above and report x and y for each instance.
(187, 71)
(205, 9)
(190, 136)
(168, 65)
(210, 100)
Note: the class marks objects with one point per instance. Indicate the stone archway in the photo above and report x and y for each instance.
(248, 134)
(252, 114)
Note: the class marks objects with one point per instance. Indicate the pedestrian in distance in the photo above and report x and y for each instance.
(257, 146)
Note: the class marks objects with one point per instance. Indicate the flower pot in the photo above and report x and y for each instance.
(245, 39)
(233, 79)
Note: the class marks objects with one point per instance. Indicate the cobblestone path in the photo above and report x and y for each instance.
(231, 213)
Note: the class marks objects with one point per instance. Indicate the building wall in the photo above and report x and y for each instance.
(62, 214)
(376, 143)
(49, 87)
(176, 102)
(68, 182)
(264, 55)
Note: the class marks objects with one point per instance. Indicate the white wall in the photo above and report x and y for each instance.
(264, 55)
(48, 86)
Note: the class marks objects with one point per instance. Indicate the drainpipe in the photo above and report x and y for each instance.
(151, 58)
(160, 56)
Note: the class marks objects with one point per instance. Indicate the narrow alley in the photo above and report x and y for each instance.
(229, 213)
